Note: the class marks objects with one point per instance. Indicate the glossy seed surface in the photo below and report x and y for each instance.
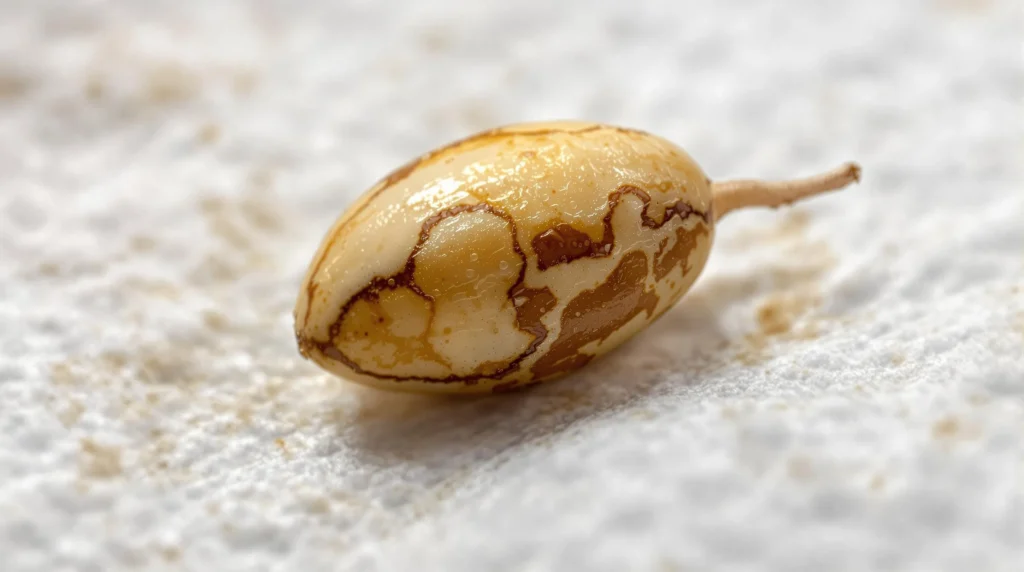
(511, 257)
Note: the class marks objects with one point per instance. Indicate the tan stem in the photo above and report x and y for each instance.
(731, 195)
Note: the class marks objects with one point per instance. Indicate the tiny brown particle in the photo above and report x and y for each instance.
(62, 374)
(72, 413)
(13, 85)
(142, 243)
(95, 89)
(49, 269)
(877, 483)
(773, 319)
(99, 461)
(209, 133)
(215, 320)
(946, 428)
(171, 83)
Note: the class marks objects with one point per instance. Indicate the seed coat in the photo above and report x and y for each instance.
(516, 256)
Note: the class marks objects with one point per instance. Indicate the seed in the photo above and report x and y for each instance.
(574, 298)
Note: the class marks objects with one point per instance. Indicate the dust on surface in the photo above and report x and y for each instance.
(208, 133)
(950, 428)
(168, 82)
(787, 311)
(122, 75)
(283, 446)
(13, 85)
(142, 243)
(945, 428)
(800, 468)
(793, 225)
(199, 374)
(160, 390)
(435, 39)
(782, 316)
(95, 88)
(216, 321)
(171, 553)
(777, 315)
(71, 413)
(243, 224)
(877, 483)
(99, 461)
(964, 7)
(153, 287)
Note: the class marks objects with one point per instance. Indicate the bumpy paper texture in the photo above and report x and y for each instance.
(842, 390)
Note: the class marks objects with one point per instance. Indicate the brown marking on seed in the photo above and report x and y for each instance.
(403, 172)
(530, 305)
(372, 315)
(593, 315)
(563, 244)
(631, 132)
(679, 254)
(507, 387)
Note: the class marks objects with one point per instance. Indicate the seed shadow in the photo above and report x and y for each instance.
(677, 350)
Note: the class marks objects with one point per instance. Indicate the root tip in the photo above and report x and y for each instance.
(853, 171)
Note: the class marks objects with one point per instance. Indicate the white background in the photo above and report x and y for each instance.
(842, 390)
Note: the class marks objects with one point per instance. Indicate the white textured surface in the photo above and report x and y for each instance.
(167, 169)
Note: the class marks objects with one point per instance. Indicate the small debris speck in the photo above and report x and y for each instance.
(99, 461)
